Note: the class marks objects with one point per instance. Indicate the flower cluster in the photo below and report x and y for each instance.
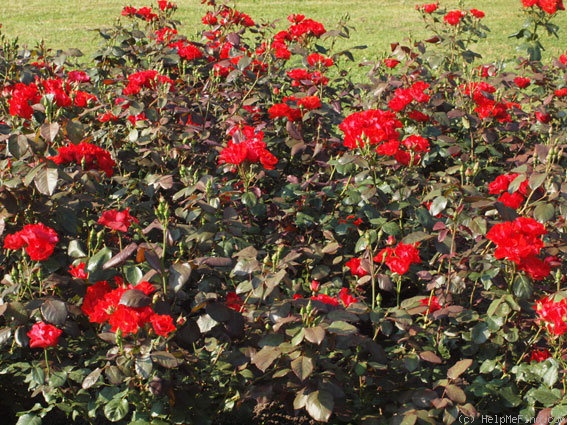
(247, 145)
(500, 186)
(404, 96)
(23, 97)
(38, 240)
(548, 6)
(293, 108)
(486, 106)
(552, 314)
(103, 304)
(400, 258)
(520, 242)
(89, 156)
(145, 13)
(344, 296)
(145, 79)
(372, 126)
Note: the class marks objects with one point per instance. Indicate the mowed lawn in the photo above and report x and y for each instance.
(375, 23)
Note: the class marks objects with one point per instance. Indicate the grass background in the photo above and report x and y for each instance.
(377, 23)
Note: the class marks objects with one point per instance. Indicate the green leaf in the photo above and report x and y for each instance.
(143, 366)
(29, 419)
(116, 409)
(544, 212)
(480, 333)
(302, 367)
(319, 405)
(179, 274)
(18, 146)
(95, 263)
(536, 180)
(416, 237)
(340, 327)
(522, 287)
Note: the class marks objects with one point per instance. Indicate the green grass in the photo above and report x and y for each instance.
(377, 23)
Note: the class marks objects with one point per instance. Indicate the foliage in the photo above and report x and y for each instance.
(197, 227)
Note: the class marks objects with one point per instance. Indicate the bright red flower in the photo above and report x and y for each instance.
(326, 299)
(454, 17)
(23, 96)
(78, 76)
(354, 266)
(428, 8)
(552, 314)
(432, 304)
(125, 318)
(187, 51)
(117, 220)
(391, 62)
(522, 82)
(233, 301)
(534, 267)
(43, 335)
(90, 156)
(166, 5)
(162, 324)
(315, 285)
(477, 13)
(38, 240)
(561, 92)
(78, 271)
(542, 117)
(247, 145)
(516, 240)
(55, 87)
(93, 296)
(539, 355)
(346, 297)
(371, 126)
(315, 59)
(400, 258)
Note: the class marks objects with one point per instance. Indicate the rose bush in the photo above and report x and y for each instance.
(231, 229)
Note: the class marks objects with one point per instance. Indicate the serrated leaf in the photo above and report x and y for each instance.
(121, 257)
(143, 366)
(319, 405)
(165, 359)
(264, 358)
(302, 367)
(459, 368)
(135, 298)
(116, 409)
(54, 311)
(18, 145)
(91, 379)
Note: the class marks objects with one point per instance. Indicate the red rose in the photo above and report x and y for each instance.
(354, 265)
(117, 220)
(454, 17)
(43, 335)
(539, 355)
(326, 299)
(477, 13)
(522, 82)
(162, 324)
(391, 62)
(347, 298)
(78, 271)
(432, 304)
(38, 240)
(233, 301)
